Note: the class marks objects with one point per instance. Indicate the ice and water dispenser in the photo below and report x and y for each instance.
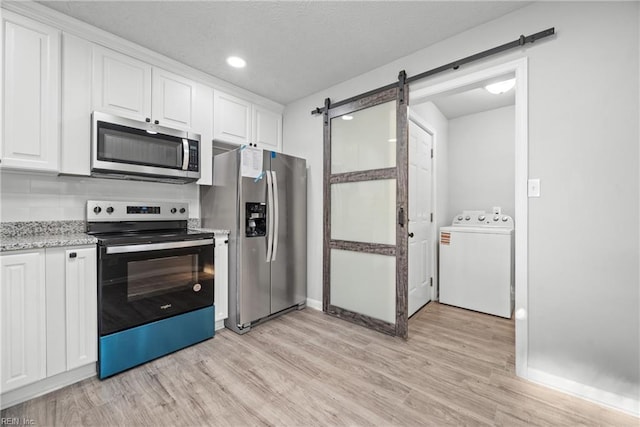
(256, 219)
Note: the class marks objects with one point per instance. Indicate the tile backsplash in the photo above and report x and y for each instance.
(34, 197)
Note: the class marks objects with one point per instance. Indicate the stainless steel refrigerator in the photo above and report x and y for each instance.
(261, 198)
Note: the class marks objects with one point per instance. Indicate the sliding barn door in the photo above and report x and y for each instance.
(365, 214)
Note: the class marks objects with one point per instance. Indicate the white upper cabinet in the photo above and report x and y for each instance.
(231, 119)
(203, 125)
(75, 146)
(23, 332)
(127, 87)
(121, 84)
(173, 99)
(31, 82)
(237, 121)
(267, 129)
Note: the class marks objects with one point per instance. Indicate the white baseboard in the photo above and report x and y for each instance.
(602, 397)
(314, 303)
(47, 385)
(219, 325)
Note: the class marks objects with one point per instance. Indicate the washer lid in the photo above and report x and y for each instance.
(471, 229)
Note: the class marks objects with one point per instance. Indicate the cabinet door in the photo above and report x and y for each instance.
(121, 84)
(81, 306)
(173, 100)
(203, 125)
(23, 332)
(75, 145)
(231, 119)
(267, 129)
(31, 94)
(221, 265)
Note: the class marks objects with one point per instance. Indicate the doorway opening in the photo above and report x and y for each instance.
(473, 168)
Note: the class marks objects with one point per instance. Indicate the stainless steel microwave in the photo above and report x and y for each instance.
(130, 149)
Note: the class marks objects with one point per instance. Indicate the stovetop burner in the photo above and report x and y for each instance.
(117, 222)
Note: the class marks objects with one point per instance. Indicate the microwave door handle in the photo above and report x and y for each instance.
(276, 214)
(185, 154)
(269, 215)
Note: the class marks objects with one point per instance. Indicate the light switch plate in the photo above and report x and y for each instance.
(534, 188)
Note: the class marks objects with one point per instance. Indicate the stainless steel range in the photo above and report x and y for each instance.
(155, 281)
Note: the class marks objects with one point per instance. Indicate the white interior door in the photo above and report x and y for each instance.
(420, 226)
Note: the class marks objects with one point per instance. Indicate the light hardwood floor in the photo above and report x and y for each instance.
(306, 368)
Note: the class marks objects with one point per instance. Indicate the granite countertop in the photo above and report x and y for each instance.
(208, 230)
(16, 236)
(46, 241)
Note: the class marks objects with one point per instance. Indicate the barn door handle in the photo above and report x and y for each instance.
(401, 217)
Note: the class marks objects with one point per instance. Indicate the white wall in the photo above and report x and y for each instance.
(584, 293)
(481, 161)
(31, 197)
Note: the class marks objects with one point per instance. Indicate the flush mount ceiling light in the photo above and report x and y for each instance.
(501, 87)
(236, 62)
(347, 117)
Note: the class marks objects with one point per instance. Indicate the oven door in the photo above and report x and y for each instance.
(142, 283)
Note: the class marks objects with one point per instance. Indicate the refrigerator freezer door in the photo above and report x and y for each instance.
(289, 269)
(254, 269)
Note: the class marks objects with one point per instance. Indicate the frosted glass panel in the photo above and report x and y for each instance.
(366, 141)
(364, 283)
(364, 211)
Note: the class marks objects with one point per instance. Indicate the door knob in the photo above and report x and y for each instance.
(410, 234)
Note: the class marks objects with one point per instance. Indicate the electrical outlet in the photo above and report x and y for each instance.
(534, 188)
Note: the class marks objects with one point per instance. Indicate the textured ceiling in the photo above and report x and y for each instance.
(292, 48)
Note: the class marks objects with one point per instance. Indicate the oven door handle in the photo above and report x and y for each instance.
(125, 249)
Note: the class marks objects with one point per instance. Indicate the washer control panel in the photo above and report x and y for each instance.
(482, 219)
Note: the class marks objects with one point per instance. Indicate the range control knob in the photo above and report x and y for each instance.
(481, 218)
(505, 219)
(110, 209)
(182, 210)
(97, 210)
(467, 218)
(173, 210)
(495, 218)
(460, 218)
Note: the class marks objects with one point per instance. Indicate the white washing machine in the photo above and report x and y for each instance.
(477, 263)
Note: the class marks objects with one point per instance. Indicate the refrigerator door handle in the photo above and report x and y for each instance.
(276, 215)
(269, 215)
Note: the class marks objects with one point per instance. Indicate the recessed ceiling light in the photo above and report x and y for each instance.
(501, 87)
(347, 117)
(236, 62)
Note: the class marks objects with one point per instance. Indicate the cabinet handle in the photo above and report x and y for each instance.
(148, 120)
(156, 122)
(73, 255)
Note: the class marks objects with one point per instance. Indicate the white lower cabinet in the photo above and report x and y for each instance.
(221, 284)
(49, 313)
(72, 333)
(23, 336)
